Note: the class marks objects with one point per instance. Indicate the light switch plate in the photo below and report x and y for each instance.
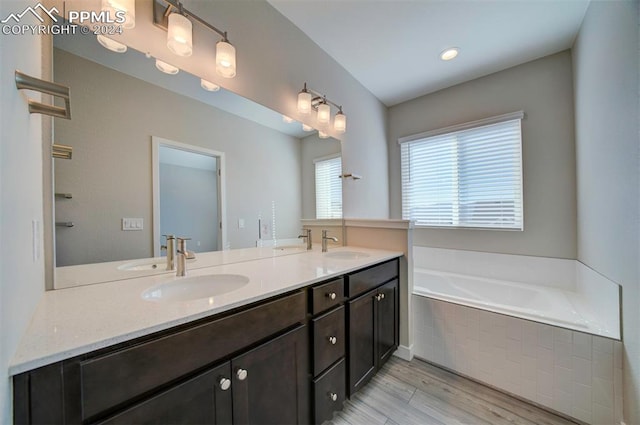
(132, 224)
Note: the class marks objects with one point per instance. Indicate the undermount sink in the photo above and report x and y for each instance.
(346, 255)
(147, 264)
(196, 287)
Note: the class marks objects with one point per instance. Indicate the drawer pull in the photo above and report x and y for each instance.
(225, 384)
(379, 297)
(241, 374)
(333, 340)
(331, 295)
(333, 396)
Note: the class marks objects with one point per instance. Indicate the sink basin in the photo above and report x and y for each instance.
(147, 264)
(196, 287)
(346, 255)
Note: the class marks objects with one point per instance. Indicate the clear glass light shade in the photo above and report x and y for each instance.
(112, 45)
(306, 127)
(225, 59)
(126, 6)
(322, 135)
(180, 35)
(208, 85)
(340, 122)
(287, 119)
(166, 68)
(304, 102)
(324, 113)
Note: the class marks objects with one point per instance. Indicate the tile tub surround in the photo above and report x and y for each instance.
(77, 320)
(571, 372)
(568, 284)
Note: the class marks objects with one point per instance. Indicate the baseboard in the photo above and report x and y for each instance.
(404, 352)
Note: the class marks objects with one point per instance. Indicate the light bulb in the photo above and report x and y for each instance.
(166, 68)
(324, 113)
(287, 119)
(306, 127)
(126, 6)
(304, 102)
(340, 122)
(225, 59)
(112, 45)
(208, 85)
(322, 135)
(180, 35)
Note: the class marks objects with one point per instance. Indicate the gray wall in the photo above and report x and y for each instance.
(313, 147)
(189, 205)
(110, 173)
(543, 90)
(606, 68)
(21, 273)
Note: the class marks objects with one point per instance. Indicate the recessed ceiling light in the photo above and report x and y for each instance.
(112, 45)
(166, 68)
(449, 54)
(208, 85)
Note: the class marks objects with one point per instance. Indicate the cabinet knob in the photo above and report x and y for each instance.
(382, 296)
(377, 297)
(225, 384)
(331, 295)
(333, 396)
(333, 340)
(241, 374)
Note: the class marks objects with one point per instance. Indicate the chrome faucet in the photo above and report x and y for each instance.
(183, 255)
(170, 247)
(325, 238)
(306, 237)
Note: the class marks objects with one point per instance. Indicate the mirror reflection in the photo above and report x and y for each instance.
(156, 154)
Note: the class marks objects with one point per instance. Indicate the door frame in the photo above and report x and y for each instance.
(156, 143)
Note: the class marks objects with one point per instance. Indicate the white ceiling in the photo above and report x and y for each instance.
(392, 46)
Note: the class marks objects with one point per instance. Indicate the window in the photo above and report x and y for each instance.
(468, 175)
(328, 187)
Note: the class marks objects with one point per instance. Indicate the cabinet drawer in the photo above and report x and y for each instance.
(327, 295)
(114, 378)
(331, 385)
(362, 281)
(328, 339)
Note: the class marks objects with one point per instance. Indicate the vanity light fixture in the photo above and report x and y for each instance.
(166, 68)
(309, 99)
(110, 44)
(307, 127)
(449, 53)
(175, 19)
(180, 34)
(208, 85)
(126, 6)
(287, 119)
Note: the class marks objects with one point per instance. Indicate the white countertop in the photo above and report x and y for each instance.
(73, 321)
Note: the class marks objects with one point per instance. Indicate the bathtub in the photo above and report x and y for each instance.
(557, 292)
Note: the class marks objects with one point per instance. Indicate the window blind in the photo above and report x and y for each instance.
(328, 187)
(465, 178)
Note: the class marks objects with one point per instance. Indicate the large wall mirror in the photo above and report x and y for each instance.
(211, 157)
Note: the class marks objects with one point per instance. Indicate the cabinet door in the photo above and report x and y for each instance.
(362, 340)
(204, 399)
(387, 321)
(271, 382)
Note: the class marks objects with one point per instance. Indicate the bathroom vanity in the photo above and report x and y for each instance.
(286, 355)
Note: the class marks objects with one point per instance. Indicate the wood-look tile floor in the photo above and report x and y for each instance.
(417, 393)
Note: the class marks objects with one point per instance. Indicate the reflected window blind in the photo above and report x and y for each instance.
(328, 187)
(469, 177)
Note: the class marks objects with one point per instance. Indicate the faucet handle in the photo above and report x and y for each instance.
(169, 236)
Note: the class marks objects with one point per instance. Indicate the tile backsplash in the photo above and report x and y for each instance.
(574, 373)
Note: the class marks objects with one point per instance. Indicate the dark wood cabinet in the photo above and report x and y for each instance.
(205, 399)
(270, 382)
(372, 323)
